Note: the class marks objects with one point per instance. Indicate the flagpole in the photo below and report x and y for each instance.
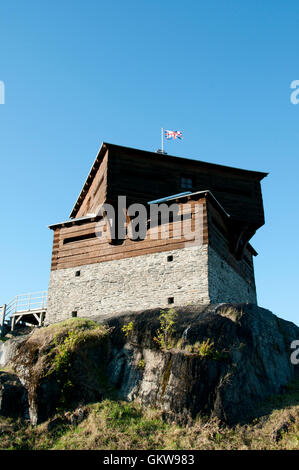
(162, 133)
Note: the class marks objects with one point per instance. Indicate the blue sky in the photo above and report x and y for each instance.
(77, 73)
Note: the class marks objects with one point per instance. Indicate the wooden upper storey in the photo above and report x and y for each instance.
(143, 176)
(86, 241)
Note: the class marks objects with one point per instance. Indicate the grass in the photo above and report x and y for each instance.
(66, 342)
(112, 425)
(206, 349)
(118, 425)
(230, 312)
(79, 324)
(57, 342)
(63, 354)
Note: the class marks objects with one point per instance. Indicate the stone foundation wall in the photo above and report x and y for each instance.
(130, 284)
(196, 274)
(225, 284)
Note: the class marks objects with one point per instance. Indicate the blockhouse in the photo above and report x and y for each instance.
(94, 275)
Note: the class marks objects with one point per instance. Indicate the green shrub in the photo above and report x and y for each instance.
(205, 349)
(164, 336)
(65, 342)
(64, 350)
(128, 329)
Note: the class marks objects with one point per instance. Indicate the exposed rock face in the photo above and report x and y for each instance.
(255, 363)
(9, 348)
(13, 397)
(252, 361)
(76, 377)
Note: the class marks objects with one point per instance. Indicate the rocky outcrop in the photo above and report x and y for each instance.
(13, 397)
(222, 360)
(9, 348)
(253, 361)
(62, 365)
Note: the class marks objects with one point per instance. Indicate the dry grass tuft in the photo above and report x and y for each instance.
(112, 425)
(230, 312)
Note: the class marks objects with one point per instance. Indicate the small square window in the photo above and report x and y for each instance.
(74, 314)
(170, 258)
(170, 300)
(77, 273)
(186, 182)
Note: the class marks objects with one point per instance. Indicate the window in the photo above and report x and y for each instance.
(186, 182)
(170, 300)
(79, 238)
(77, 273)
(74, 314)
(170, 258)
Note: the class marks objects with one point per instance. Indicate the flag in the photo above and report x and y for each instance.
(173, 135)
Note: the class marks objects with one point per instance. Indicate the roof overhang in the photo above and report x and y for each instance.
(77, 221)
(206, 193)
(182, 197)
(256, 175)
(90, 177)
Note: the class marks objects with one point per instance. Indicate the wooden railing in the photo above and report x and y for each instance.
(24, 303)
(2, 318)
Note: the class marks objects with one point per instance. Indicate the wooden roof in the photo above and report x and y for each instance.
(184, 162)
